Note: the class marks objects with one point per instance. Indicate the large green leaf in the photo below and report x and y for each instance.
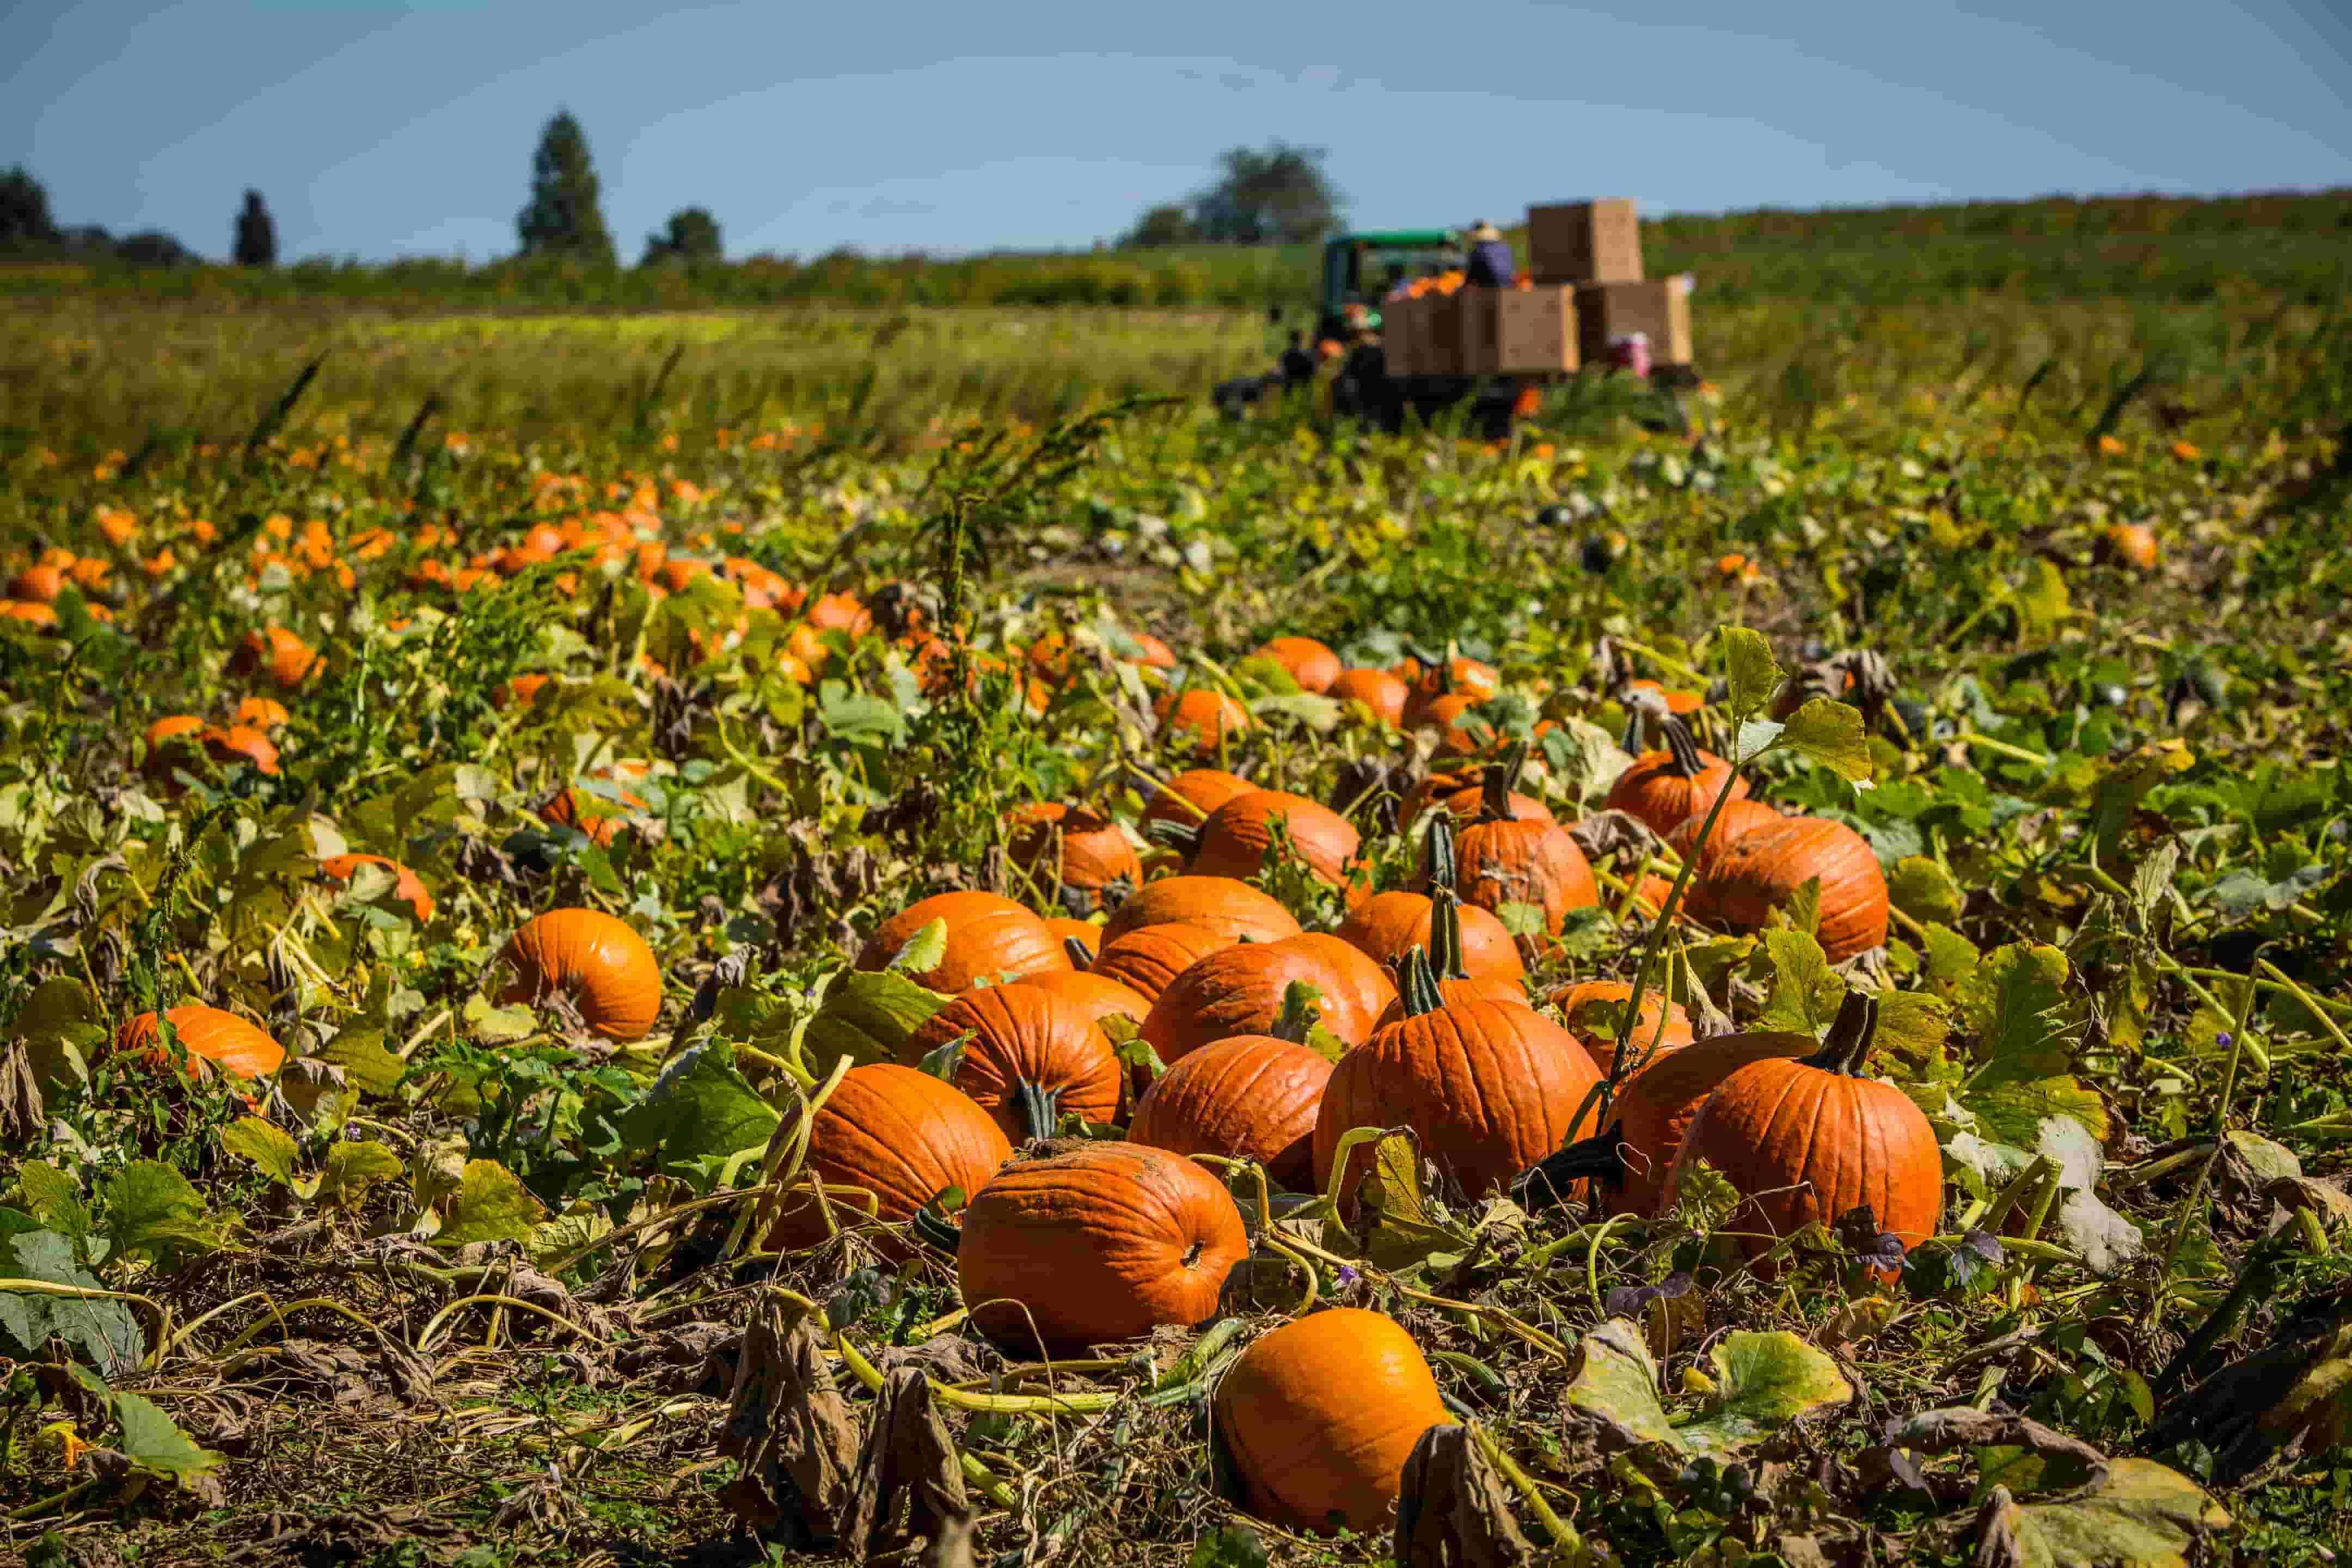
(490, 1204)
(1762, 1382)
(264, 1143)
(1923, 889)
(55, 1198)
(866, 1016)
(154, 1442)
(2138, 1514)
(151, 1211)
(104, 1333)
(2026, 1026)
(1832, 734)
(1616, 1383)
(1749, 669)
(352, 1169)
(1805, 995)
(700, 1107)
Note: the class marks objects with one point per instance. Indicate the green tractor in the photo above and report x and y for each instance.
(1359, 269)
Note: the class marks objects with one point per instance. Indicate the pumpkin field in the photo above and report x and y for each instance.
(865, 934)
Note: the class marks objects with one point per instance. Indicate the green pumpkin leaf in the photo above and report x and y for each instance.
(700, 1107)
(103, 1332)
(366, 1064)
(264, 1143)
(2026, 1025)
(2042, 599)
(1749, 669)
(1762, 1380)
(1805, 993)
(151, 1211)
(2138, 1513)
(154, 1442)
(924, 952)
(352, 1169)
(1616, 1384)
(1923, 889)
(495, 1026)
(1832, 734)
(490, 1204)
(868, 1015)
(2105, 1239)
(55, 1198)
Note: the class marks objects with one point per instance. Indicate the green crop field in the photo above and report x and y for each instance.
(802, 913)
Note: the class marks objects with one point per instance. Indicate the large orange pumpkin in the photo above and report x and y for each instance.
(1239, 991)
(1187, 797)
(1087, 934)
(1383, 693)
(1104, 1242)
(1202, 718)
(599, 962)
(1311, 664)
(1100, 996)
(1146, 961)
(599, 815)
(1216, 903)
(1252, 1096)
(284, 656)
(1457, 676)
(1759, 871)
(1505, 858)
(1488, 1087)
(987, 934)
(1090, 856)
(408, 886)
(1386, 926)
(212, 1037)
(897, 1134)
(1592, 1008)
(1807, 1140)
(1233, 842)
(1321, 1415)
(1030, 1055)
(1665, 789)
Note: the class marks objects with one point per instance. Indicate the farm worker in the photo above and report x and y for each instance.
(1297, 365)
(1491, 266)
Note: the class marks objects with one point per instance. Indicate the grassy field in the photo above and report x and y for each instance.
(747, 620)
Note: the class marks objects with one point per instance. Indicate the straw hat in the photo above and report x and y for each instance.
(1483, 231)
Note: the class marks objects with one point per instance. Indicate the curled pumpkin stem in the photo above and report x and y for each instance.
(1849, 1035)
(1039, 1108)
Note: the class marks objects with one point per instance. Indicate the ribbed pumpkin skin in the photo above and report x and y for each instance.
(1252, 1096)
(1383, 693)
(1023, 1034)
(1466, 677)
(1436, 786)
(210, 1035)
(1757, 873)
(599, 962)
(1088, 934)
(1239, 991)
(1321, 1415)
(1234, 839)
(1190, 797)
(1148, 959)
(1737, 819)
(1200, 718)
(285, 657)
(1524, 861)
(231, 744)
(1311, 664)
(896, 1132)
(1653, 1108)
(1386, 926)
(1480, 988)
(1834, 1141)
(1489, 1088)
(1099, 995)
(1653, 791)
(1104, 1242)
(1219, 904)
(408, 886)
(987, 934)
(1094, 851)
(1599, 1043)
(1360, 989)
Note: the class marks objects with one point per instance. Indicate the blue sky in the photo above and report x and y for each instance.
(378, 129)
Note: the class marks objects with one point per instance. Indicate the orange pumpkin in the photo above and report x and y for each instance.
(1505, 858)
(236, 744)
(1468, 678)
(1665, 789)
(1236, 839)
(1090, 856)
(1386, 926)
(1759, 872)
(1312, 665)
(1202, 718)
(599, 962)
(593, 812)
(1321, 1415)
(1099, 995)
(1188, 798)
(263, 713)
(1220, 904)
(285, 657)
(1147, 960)
(1248, 1097)
(1380, 692)
(1240, 989)
(212, 1036)
(1085, 933)
(987, 934)
(408, 886)
(897, 1133)
(1029, 1054)
(1808, 1139)
(1592, 1008)
(1104, 1242)
(37, 584)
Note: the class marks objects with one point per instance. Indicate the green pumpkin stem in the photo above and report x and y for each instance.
(1684, 750)
(1039, 1108)
(1499, 781)
(1445, 957)
(1076, 950)
(1184, 837)
(931, 1226)
(1438, 867)
(1850, 1035)
(1417, 984)
(1301, 1010)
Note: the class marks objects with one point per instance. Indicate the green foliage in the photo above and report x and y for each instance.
(565, 215)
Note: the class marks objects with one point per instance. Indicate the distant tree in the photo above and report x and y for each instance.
(152, 248)
(1278, 195)
(1170, 223)
(565, 215)
(692, 235)
(24, 221)
(256, 236)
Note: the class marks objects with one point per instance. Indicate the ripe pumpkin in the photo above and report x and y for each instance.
(262, 713)
(1757, 872)
(1085, 933)
(1235, 838)
(181, 728)
(1592, 1008)
(1249, 1097)
(1311, 664)
(37, 584)
(1665, 789)
(1808, 1139)
(1319, 1416)
(2131, 545)
(1360, 988)
(1089, 855)
(599, 815)
(1188, 798)
(1386, 926)
(213, 1038)
(1505, 858)
(1457, 677)
(987, 934)
(520, 692)
(1106, 1242)
(408, 886)
(1100, 996)
(1239, 989)
(1489, 1088)
(602, 965)
(1202, 718)
(897, 1134)
(236, 744)
(1440, 784)
(285, 657)
(1146, 961)
(1031, 1054)
(1218, 903)
(1383, 693)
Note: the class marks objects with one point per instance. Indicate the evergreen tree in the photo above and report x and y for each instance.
(564, 216)
(692, 235)
(24, 221)
(256, 236)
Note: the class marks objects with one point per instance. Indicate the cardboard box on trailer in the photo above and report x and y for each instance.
(1585, 242)
(1404, 325)
(1536, 329)
(1480, 313)
(1437, 340)
(1659, 309)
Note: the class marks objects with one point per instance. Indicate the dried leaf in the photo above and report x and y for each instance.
(909, 1461)
(791, 1436)
(1452, 1510)
(2139, 1514)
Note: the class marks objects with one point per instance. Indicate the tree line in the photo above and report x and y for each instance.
(1279, 195)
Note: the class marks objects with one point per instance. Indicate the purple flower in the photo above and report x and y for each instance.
(1347, 1277)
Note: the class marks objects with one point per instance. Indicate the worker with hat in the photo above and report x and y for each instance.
(1490, 265)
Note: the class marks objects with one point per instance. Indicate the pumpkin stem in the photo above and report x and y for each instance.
(1445, 958)
(1437, 865)
(1547, 1183)
(1301, 1010)
(1683, 750)
(1039, 1106)
(1076, 950)
(1497, 783)
(1417, 984)
(940, 1233)
(1184, 837)
(1850, 1035)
